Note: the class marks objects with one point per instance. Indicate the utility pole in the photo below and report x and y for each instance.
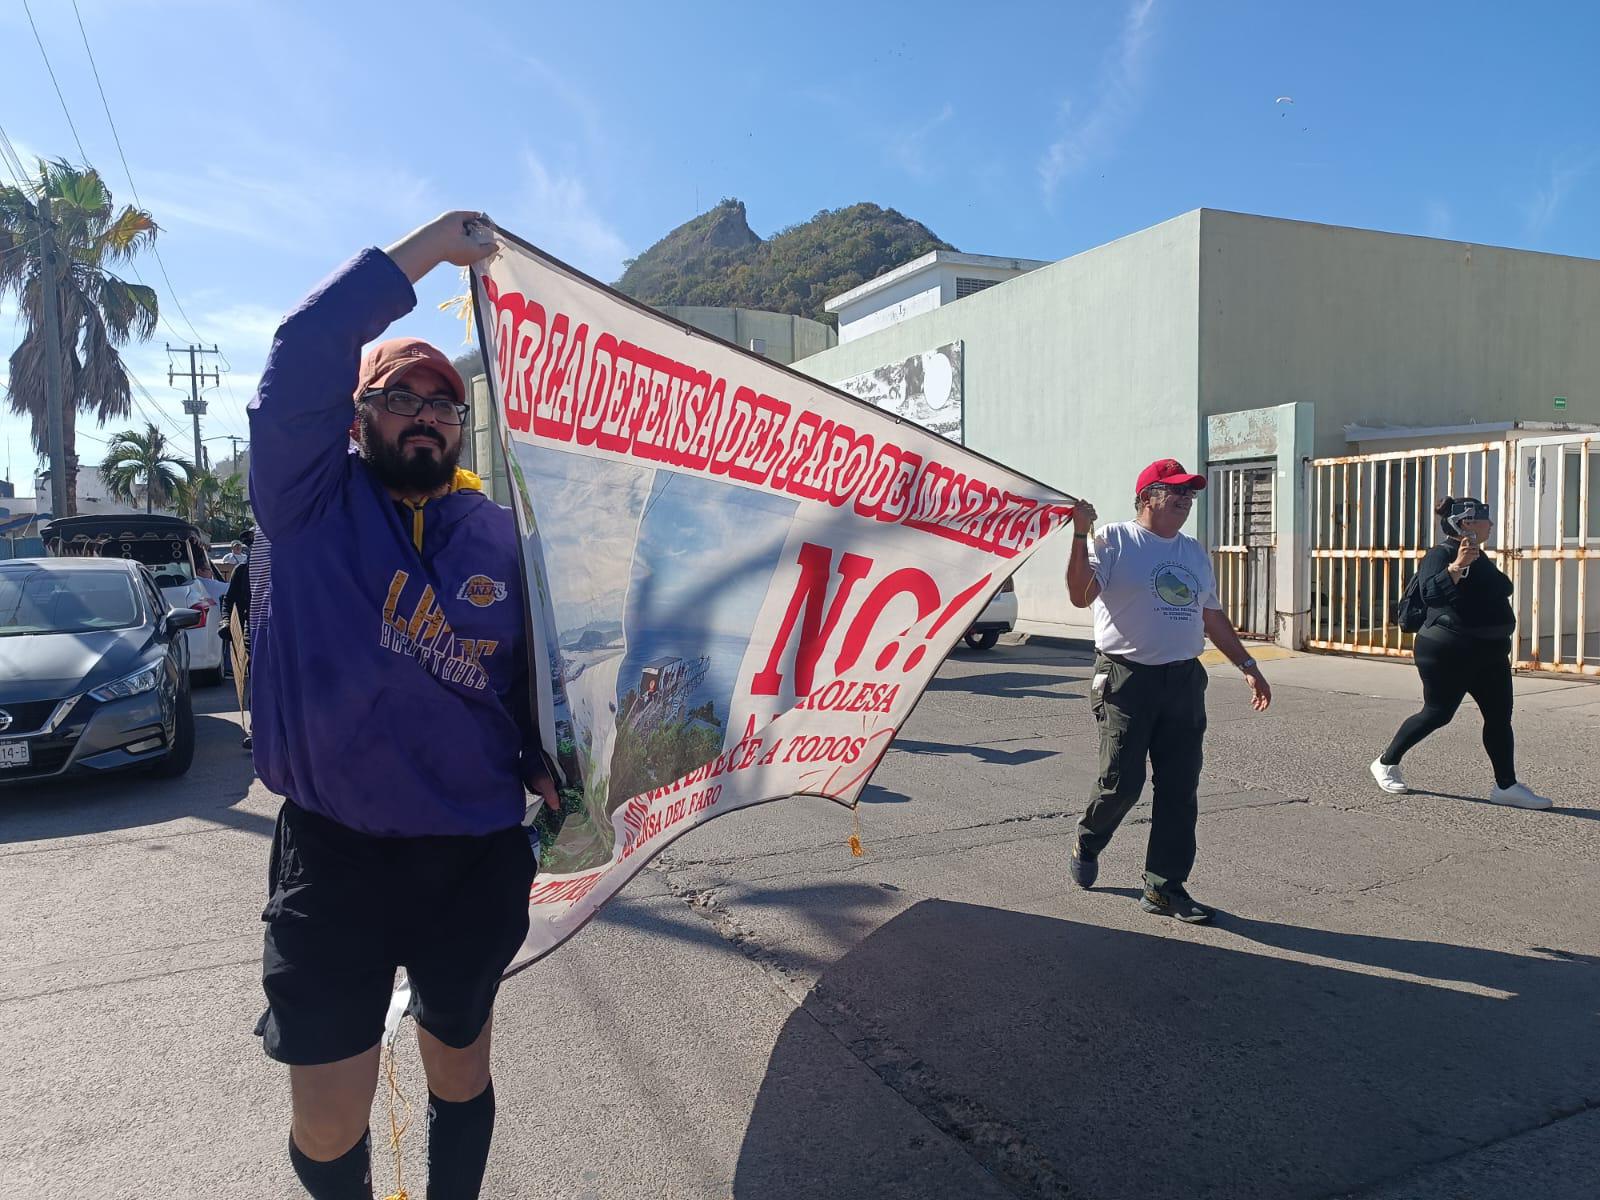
(55, 415)
(233, 444)
(197, 377)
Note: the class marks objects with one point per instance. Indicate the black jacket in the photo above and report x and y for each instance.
(238, 594)
(1477, 607)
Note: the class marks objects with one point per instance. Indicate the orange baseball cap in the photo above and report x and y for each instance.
(384, 362)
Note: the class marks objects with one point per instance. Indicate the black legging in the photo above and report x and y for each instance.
(1453, 668)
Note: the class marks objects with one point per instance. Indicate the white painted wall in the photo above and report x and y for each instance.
(897, 302)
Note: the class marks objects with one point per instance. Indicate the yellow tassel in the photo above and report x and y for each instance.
(461, 306)
(398, 1124)
(856, 850)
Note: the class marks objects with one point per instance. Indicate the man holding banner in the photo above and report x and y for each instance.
(391, 707)
(1155, 601)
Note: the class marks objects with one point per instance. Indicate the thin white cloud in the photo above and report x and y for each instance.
(1117, 96)
(297, 203)
(910, 149)
(556, 213)
(1541, 208)
(1438, 220)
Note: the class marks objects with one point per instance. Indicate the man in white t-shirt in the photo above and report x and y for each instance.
(1155, 602)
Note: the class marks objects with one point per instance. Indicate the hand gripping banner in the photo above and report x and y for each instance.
(740, 580)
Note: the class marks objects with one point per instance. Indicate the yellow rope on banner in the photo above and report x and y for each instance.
(462, 306)
(856, 849)
(397, 1124)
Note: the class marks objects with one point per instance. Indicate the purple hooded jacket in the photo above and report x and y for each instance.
(389, 688)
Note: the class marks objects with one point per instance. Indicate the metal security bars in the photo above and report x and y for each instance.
(1554, 537)
(1371, 521)
(1243, 545)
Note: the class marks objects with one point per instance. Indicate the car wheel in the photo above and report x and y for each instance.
(207, 678)
(985, 640)
(180, 757)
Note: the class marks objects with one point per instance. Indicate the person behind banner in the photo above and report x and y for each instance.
(391, 709)
(1155, 602)
(237, 600)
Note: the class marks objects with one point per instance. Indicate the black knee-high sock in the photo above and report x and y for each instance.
(348, 1177)
(458, 1145)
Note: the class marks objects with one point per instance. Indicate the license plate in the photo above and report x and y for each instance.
(14, 754)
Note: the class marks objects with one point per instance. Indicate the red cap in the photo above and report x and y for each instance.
(384, 362)
(1169, 471)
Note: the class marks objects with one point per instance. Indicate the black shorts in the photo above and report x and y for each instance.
(347, 908)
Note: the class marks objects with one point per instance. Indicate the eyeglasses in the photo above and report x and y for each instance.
(1173, 489)
(408, 404)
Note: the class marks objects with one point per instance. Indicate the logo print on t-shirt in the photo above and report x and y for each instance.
(1176, 586)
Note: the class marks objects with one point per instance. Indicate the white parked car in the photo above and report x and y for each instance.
(175, 552)
(999, 617)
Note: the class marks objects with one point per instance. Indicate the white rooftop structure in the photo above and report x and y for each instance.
(937, 278)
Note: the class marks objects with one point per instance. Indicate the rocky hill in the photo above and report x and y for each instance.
(718, 259)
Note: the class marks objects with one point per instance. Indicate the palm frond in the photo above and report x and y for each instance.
(131, 231)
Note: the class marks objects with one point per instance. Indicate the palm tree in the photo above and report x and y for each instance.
(98, 310)
(135, 459)
(198, 497)
(233, 507)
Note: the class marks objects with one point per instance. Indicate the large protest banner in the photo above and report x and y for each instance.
(740, 580)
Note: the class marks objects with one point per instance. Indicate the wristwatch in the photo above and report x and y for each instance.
(1248, 664)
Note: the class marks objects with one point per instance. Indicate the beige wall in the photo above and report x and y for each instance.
(787, 337)
(1381, 329)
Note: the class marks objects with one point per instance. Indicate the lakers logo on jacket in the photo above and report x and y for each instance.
(481, 591)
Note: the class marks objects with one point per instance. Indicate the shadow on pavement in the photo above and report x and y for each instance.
(988, 754)
(219, 778)
(1583, 814)
(1001, 684)
(1072, 1060)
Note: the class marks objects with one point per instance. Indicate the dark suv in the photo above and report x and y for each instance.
(94, 671)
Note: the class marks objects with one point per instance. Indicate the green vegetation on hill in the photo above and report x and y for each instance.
(717, 259)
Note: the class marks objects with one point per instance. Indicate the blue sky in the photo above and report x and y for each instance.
(272, 139)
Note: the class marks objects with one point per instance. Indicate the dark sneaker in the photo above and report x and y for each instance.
(1083, 869)
(1173, 901)
(246, 742)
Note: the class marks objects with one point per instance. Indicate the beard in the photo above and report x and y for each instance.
(408, 470)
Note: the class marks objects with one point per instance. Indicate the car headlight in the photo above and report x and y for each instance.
(146, 680)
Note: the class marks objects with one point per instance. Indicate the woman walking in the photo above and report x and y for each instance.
(1463, 649)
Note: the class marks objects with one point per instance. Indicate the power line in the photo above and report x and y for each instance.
(52, 70)
(13, 161)
(155, 249)
(128, 171)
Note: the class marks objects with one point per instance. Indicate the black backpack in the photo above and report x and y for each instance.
(1410, 612)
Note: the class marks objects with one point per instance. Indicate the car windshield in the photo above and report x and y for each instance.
(167, 557)
(65, 601)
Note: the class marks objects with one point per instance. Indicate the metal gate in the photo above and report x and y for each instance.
(1371, 521)
(1553, 537)
(1243, 544)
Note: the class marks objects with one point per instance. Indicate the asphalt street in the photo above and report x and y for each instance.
(1399, 1001)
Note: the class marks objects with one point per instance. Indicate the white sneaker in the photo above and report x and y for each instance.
(1389, 777)
(1518, 795)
